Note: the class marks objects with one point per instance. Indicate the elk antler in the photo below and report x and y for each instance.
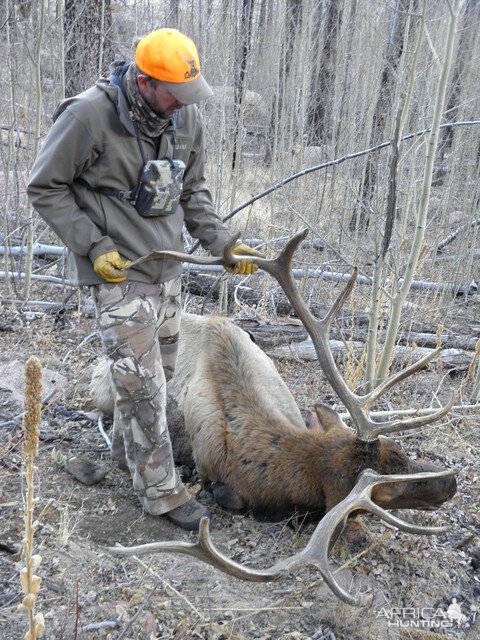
(186, 257)
(357, 405)
(319, 546)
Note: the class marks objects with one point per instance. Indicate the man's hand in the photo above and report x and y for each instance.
(106, 266)
(244, 267)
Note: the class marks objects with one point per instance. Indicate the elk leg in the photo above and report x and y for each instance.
(226, 497)
(354, 531)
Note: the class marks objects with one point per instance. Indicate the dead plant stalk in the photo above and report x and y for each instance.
(30, 582)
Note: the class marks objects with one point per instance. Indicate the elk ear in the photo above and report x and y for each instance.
(328, 418)
(311, 420)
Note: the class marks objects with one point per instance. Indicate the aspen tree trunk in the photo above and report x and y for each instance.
(323, 85)
(86, 47)
(380, 260)
(105, 54)
(173, 16)
(419, 235)
(476, 385)
(240, 80)
(262, 17)
(292, 23)
(470, 24)
(375, 296)
(73, 79)
(38, 112)
(11, 123)
(383, 107)
(61, 45)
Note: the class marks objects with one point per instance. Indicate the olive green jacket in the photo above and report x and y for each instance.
(93, 138)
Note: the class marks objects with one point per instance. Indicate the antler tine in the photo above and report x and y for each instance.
(389, 382)
(203, 549)
(403, 525)
(317, 550)
(340, 301)
(177, 256)
(380, 428)
(280, 268)
(375, 428)
(275, 266)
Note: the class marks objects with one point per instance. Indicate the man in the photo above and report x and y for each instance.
(120, 172)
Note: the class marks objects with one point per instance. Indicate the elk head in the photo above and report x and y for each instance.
(353, 455)
(400, 483)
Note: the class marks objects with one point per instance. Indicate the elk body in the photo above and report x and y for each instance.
(249, 438)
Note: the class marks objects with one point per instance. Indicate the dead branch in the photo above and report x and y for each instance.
(332, 163)
(446, 241)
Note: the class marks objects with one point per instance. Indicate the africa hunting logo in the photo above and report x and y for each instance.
(424, 617)
(193, 70)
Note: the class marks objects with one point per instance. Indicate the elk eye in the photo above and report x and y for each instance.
(419, 484)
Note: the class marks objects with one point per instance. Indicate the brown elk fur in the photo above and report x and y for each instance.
(249, 438)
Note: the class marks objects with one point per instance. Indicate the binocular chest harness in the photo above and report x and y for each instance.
(160, 183)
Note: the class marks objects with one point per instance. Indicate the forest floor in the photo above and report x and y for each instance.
(87, 593)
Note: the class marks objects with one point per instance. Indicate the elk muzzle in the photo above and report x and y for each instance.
(421, 494)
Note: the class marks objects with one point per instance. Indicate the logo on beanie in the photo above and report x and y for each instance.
(193, 70)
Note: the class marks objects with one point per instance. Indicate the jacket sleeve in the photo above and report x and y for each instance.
(67, 152)
(200, 218)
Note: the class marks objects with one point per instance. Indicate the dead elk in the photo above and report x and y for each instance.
(249, 439)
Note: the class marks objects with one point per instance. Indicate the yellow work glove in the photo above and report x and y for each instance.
(106, 266)
(244, 267)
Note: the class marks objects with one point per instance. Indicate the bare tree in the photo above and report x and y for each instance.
(240, 77)
(35, 57)
(323, 84)
(417, 242)
(293, 19)
(88, 49)
(381, 113)
(173, 16)
(470, 21)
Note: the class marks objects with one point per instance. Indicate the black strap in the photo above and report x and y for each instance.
(174, 133)
(113, 193)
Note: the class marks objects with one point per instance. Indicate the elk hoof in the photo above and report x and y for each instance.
(354, 533)
(226, 497)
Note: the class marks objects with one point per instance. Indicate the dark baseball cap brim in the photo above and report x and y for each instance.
(189, 92)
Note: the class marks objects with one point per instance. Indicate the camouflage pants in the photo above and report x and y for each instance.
(139, 325)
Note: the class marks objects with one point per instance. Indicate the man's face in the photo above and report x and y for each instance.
(158, 98)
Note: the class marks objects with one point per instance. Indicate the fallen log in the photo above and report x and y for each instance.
(453, 359)
(424, 339)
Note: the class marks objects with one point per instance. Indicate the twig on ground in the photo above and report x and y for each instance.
(169, 586)
(95, 626)
(103, 432)
(145, 602)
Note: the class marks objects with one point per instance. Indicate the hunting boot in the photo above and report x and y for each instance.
(188, 515)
